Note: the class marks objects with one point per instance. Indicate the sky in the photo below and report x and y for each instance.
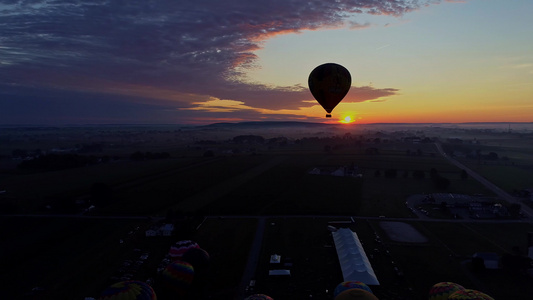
(207, 61)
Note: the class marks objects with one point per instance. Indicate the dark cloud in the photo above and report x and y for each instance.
(165, 44)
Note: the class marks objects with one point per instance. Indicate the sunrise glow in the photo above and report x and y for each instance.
(408, 62)
(347, 120)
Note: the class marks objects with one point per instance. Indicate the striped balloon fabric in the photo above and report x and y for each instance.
(177, 277)
(179, 248)
(258, 297)
(129, 290)
(347, 285)
(469, 294)
(442, 290)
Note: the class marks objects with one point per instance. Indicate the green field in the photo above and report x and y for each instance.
(78, 257)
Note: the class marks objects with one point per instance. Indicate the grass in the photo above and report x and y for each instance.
(507, 177)
(77, 257)
(171, 189)
(68, 257)
(76, 182)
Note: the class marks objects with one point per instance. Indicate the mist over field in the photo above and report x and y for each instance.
(422, 198)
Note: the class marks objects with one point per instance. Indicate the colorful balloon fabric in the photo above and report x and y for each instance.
(258, 297)
(347, 285)
(177, 277)
(469, 294)
(129, 290)
(177, 250)
(356, 294)
(329, 83)
(442, 290)
(198, 258)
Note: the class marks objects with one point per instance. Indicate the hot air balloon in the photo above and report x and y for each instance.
(258, 297)
(353, 294)
(329, 83)
(129, 290)
(469, 294)
(442, 290)
(198, 258)
(347, 285)
(177, 250)
(176, 278)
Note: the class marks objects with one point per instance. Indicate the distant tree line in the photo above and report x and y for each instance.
(79, 148)
(454, 148)
(52, 162)
(140, 156)
(21, 153)
(439, 181)
(57, 161)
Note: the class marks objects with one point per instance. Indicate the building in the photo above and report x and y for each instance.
(163, 230)
(352, 257)
(491, 260)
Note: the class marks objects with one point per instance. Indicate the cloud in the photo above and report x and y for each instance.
(167, 47)
(356, 25)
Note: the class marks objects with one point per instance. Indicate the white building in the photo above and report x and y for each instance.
(352, 257)
(164, 230)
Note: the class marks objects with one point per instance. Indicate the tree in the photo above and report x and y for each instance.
(19, 153)
(492, 156)
(514, 209)
(372, 151)
(391, 173)
(137, 156)
(209, 153)
(433, 173)
(441, 182)
(419, 174)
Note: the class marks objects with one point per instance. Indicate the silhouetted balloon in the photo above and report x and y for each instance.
(329, 83)
(469, 294)
(198, 258)
(129, 290)
(347, 285)
(442, 290)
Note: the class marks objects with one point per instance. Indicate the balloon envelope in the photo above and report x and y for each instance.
(258, 297)
(353, 294)
(329, 83)
(469, 294)
(129, 290)
(177, 277)
(198, 258)
(442, 290)
(347, 285)
(177, 250)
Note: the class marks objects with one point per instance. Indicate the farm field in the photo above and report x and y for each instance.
(218, 201)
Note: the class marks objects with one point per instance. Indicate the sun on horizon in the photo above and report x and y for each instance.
(347, 120)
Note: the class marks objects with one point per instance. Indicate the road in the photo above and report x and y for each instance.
(253, 258)
(528, 211)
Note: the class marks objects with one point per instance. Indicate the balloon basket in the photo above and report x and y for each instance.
(328, 115)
